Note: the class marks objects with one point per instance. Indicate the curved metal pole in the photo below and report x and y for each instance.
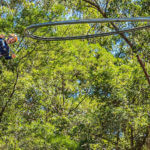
(36, 26)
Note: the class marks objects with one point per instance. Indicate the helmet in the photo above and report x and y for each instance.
(14, 36)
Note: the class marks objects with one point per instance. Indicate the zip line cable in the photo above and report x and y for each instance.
(69, 22)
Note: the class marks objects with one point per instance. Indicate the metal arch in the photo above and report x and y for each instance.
(107, 20)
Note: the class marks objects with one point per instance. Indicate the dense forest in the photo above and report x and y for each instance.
(90, 94)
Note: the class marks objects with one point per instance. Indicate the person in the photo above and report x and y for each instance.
(4, 45)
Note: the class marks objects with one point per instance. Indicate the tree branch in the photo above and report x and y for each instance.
(143, 67)
(73, 109)
(11, 95)
(132, 46)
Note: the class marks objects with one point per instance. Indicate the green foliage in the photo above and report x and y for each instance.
(73, 95)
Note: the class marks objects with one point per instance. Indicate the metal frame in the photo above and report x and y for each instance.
(107, 20)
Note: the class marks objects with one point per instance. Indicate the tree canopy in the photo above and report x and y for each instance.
(75, 95)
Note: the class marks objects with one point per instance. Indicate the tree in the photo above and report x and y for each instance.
(82, 94)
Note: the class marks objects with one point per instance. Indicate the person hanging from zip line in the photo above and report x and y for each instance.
(4, 46)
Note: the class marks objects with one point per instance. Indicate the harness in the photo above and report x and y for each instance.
(4, 48)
